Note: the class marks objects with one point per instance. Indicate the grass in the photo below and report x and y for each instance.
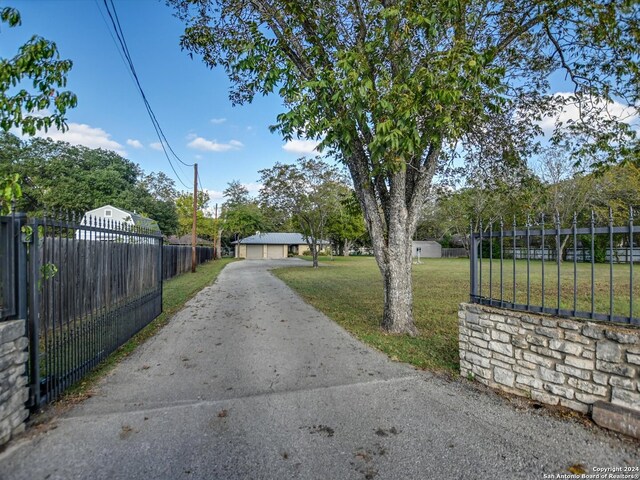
(176, 292)
(349, 290)
(601, 297)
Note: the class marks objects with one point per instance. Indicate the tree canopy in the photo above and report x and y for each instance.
(57, 176)
(37, 61)
(309, 192)
(397, 88)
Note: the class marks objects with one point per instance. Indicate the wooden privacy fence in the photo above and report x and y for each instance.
(176, 259)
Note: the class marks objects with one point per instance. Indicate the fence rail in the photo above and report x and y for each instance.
(574, 272)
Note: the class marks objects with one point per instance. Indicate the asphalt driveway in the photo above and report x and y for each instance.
(249, 382)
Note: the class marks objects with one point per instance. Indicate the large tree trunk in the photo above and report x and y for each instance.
(391, 207)
(398, 290)
(346, 246)
(314, 252)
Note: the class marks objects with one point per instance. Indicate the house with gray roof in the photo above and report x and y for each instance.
(109, 217)
(272, 246)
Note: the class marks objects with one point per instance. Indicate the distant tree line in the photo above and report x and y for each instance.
(310, 196)
(555, 186)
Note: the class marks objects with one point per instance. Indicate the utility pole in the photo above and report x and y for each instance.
(195, 218)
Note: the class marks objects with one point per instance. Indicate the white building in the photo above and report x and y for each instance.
(104, 222)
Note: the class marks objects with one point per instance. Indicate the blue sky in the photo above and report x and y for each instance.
(190, 101)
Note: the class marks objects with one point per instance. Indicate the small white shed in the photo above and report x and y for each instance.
(427, 249)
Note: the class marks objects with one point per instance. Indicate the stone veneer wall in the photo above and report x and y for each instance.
(555, 361)
(14, 391)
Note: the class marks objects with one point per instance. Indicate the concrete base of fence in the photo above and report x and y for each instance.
(556, 361)
(14, 391)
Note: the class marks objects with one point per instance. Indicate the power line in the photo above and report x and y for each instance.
(115, 22)
(123, 43)
(115, 42)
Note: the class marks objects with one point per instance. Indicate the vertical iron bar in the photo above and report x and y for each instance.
(160, 241)
(57, 311)
(48, 311)
(501, 262)
(18, 220)
(71, 365)
(558, 258)
(631, 264)
(480, 267)
(34, 316)
(528, 226)
(543, 253)
(610, 264)
(575, 262)
(593, 279)
(473, 266)
(514, 259)
(491, 259)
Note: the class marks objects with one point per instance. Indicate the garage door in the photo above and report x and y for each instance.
(254, 252)
(275, 251)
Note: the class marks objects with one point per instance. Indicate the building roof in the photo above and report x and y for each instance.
(276, 239)
(136, 218)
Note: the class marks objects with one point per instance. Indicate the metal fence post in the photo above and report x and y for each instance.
(473, 260)
(32, 238)
(161, 269)
(20, 219)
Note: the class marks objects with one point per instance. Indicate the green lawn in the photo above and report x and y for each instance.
(349, 290)
(621, 284)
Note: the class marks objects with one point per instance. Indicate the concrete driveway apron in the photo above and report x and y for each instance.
(249, 382)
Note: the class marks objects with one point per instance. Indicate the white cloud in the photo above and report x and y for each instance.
(199, 143)
(215, 197)
(134, 143)
(218, 121)
(304, 147)
(214, 194)
(252, 187)
(570, 111)
(83, 134)
(156, 146)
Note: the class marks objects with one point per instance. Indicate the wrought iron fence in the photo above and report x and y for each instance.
(84, 286)
(585, 272)
(7, 267)
(92, 286)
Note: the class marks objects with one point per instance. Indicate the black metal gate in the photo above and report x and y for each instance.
(85, 288)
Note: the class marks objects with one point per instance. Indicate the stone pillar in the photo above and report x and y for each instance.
(14, 390)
